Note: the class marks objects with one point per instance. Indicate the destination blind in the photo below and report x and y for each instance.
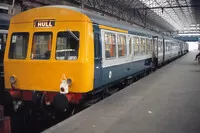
(44, 23)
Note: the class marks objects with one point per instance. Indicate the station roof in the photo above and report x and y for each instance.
(168, 16)
(180, 16)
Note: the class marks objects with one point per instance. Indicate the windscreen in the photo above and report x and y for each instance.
(67, 45)
(41, 46)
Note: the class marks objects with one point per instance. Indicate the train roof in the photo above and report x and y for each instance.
(4, 21)
(96, 18)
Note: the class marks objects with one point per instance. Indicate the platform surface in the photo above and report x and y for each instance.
(166, 101)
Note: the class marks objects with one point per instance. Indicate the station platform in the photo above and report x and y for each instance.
(166, 101)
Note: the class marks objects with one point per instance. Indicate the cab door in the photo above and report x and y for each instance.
(97, 57)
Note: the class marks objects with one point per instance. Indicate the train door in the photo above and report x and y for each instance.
(98, 57)
(155, 51)
(2, 48)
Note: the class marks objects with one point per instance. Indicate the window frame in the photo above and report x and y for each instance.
(11, 37)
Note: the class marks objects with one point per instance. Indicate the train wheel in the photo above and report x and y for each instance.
(198, 60)
(92, 99)
(112, 90)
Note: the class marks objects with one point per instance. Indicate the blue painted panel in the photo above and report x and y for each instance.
(98, 56)
(114, 73)
(188, 38)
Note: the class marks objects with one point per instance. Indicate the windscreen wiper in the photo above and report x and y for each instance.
(72, 34)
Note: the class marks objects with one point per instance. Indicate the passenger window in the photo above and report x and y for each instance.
(159, 46)
(67, 45)
(18, 46)
(41, 46)
(142, 45)
(136, 45)
(110, 45)
(121, 45)
(130, 45)
(151, 45)
(170, 47)
(148, 46)
(166, 46)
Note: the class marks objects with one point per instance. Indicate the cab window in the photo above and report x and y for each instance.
(67, 45)
(41, 46)
(18, 45)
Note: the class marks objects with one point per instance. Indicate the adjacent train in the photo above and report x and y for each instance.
(4, 25)
(58, 55)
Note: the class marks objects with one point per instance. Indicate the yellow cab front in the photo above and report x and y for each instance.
(49, 50)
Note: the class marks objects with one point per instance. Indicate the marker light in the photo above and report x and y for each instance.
(12, 79)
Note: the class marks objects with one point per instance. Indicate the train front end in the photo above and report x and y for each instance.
(49, 56)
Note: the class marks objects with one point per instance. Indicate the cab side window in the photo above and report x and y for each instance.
(18, 46)
(96, 45)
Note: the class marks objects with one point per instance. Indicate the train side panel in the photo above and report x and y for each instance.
(109, 70)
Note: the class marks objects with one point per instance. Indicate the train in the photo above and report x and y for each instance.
(58, 55)
(4, 25)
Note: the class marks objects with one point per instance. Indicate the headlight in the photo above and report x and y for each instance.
(12, 79)
(69, 81)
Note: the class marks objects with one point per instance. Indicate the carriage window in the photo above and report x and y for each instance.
(142, 44)
(110, 45)
(41, 46)
(166, 47)
(18, 46)
(121, 45)
(67, 45)
(130, 45)
(151, 47)
(170, 46)
(159, 46)
(136, 45)
(148, 46)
